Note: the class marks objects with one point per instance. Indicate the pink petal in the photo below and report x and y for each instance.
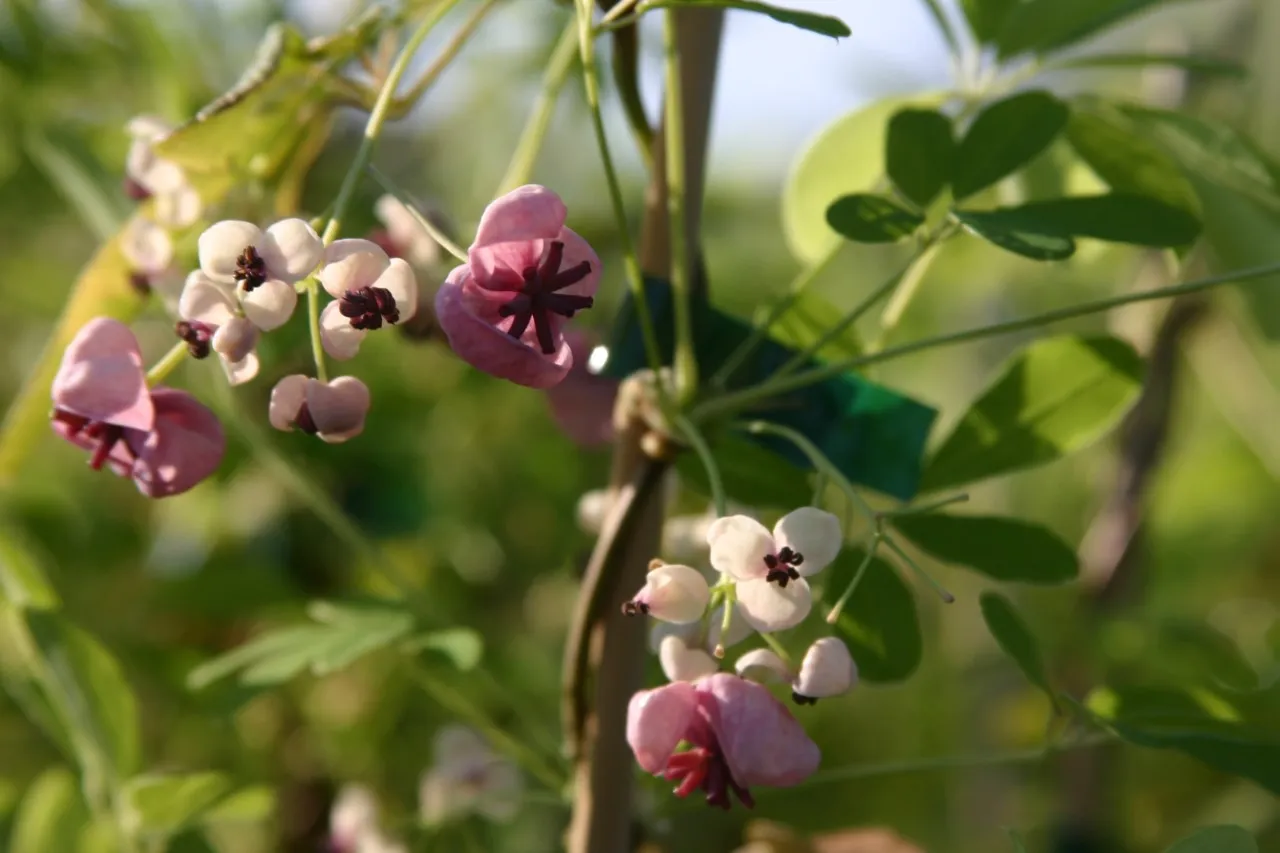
(582, 404)
(287, 398)
(827, 670)
(530, 212)
(682, 663)
(488, 348)
(398, 280)
(101, 376)
(762, 743)
(339, 408)
(185, 447)
(657, 720)
(501, 266)
(339, 338)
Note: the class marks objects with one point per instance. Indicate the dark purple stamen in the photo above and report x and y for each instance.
(141, 283)
(197, 336)
(135, 190)
(106, 435)
(635, 608)
(303, 421)
(251, 269)
(801, 699)
(705, 768)
(538, 296)
(367, 307)
(782, 567)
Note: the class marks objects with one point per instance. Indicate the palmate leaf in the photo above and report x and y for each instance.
(879, 622)
(1004, 137)
(1015, 638)
(920, 153)
(1044, 26)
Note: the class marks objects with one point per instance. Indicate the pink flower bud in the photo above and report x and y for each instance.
(827, 670)
(334, 411)
(671, 593)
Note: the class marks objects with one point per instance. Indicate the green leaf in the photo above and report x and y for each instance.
(23, 580)
(1005, 549)
(1004, 137)
(1115, 217)
(1217, 839)
(50, 816)
(1206, 65)
(1196, 651)
(1057, 396)
(1043, 26)
(752, 475)
(986, 17)
(879, 622)
(341, 634)
(1012, 234)
(822, 24)
(872, 219)
(1125, 159)
(89, 694)
(1015, 638)
(808, 320)
(848, 156)
(164, 804)
(250, 805)
(919, 152)
(190, 841)
(462, 646)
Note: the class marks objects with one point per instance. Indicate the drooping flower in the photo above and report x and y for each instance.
(334, 411)
(684, 662)
(826, 670)
(162, 438)
(468, 777)
(769, 570)
(504, 310)
(260, 266)
(353, 816)
(148, 175)
(214, 320)
(582, 404)
(368, 289)
(672, 593)
(739, 736)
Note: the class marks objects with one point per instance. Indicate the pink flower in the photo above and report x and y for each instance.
(162, 438)
(503, 310)
(582, 404)
(739, 734)
(334, 410)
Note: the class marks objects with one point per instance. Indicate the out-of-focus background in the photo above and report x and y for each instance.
(468, 481)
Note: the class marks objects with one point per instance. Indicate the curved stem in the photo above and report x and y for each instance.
(430, 227)
(313, 325)
(690, 433)
(872, 547)
(906, 291)
(686, 363)
(167, 364)
(534, 134)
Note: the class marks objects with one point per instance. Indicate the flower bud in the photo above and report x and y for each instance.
(680, 662)
(764, 666)
(827, 670)
(334, 411)
(672, 593)
(235, 339)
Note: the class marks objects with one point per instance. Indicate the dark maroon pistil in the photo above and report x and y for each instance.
(367, 307)
(782, 567)
(251, 269)
(303, 420)
(539, 296)
(197, 336)
(104, 434)
(705, 768)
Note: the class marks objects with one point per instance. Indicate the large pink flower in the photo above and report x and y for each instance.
(740, 736)
(504, 310)
(162, 438)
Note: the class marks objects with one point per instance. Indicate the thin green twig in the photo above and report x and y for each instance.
(520, 169)
(430, 227)
(685, 362)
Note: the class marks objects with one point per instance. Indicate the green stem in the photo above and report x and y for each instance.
(313, 325)
(906, 292)
(166, 365)
(630, 263)
(686, 363)
(799, 285)
(872, 547)
(427, 225)
(737, 401)
(458, 704)
(619, 9)
(944, 26)
(690, 433)
(730, 599)
(929, 506)
(943, 593)
(778, 649)
(535, 130)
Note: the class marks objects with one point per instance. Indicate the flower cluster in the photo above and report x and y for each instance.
(738, 733)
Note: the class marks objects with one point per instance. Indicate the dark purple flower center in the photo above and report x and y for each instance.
(705, 768)
(782, 566)
(635, 608)
(367, 307)
(135, 190)
(101, 436)
(251, 269)
(196, 335)
(801, 699)
(303, 420)
(140, 282)
(539, 297)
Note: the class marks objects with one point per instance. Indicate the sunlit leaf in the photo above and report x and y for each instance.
(1217, 839)
(1005, 549)
(1057, 396)
(1004, 137)
(752, 475)
(23, 581)
(867, 218)
(813, 22)
(1012, 234)
(1015, 638)
(920, 150)
(245, 806)
(1043, 26)
(879, 622)
(809, 319)
(167, 803)
(50, 815)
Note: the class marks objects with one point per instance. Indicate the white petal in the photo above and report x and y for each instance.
(675, 593)
(222, 243)
(659, 631)
(148, 128)
(146, 246)
(351, 265)
(764, 666)
(592, 509)
(241, 371)
(337, 336)
(287, 398)
(399, 282)
(739, 628)
(354, 813)
(291, 250)
(812, 533)
(739, 545)
(270, 304)
(179, 207)
(681, 663)
(235, 339)
(206, 301)
(768, 607)
(828, 670)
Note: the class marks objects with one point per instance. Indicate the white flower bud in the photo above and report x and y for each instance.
(334, 411)
(827, 670)
(680, 662)
(764, 666)
(672, 593)
(235, 339)
(592, 509)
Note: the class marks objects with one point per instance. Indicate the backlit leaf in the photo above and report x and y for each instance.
(752, 475)
(167, 803)
(1012, 234)
(987, 17)
(920, 150)
(50, 815)
(1004, 137)
(867, 218)
(1043, 26)
(1115, 217)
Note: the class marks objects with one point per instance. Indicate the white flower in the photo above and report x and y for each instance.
(764, 666)
(468, 777)
(177, 203)
(375, 842)
(334, 411)
(827, 670)
(146, 246)
(214, 307)
(739, 630)
(769, 570)
(406, 233)
(262, 266)
(682, 662)
(368, 289)
(592, 509)
(354, 816)
(672, 593)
